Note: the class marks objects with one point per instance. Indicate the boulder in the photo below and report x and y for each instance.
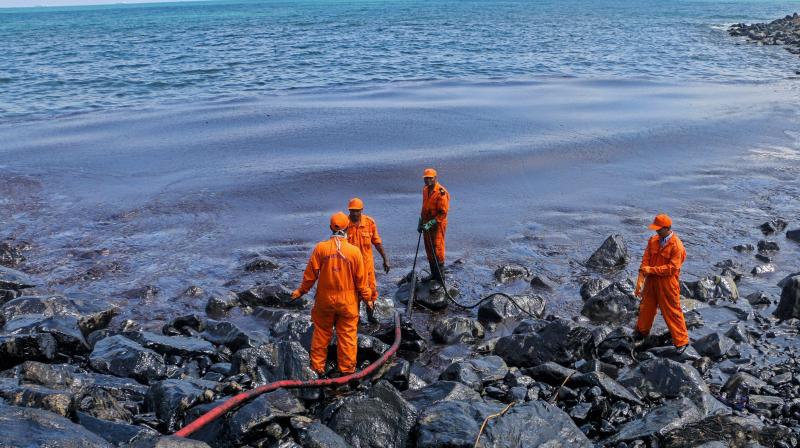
(714, 345)
(221, 302)
(560, 341)
(743, 384)
(16, 280)
(534, 423)
(768, 246)
(772, 226)
(90, 315)
(188, 325)
(10, 255)
(611, 254)
(789, 305)
(452, 424)
(120, 356)
(711, 289)
(173, 345)
(64, 329)
(431, 295)
(662, 377)
(170, 399)
(399, 374)
(25, 427)
(592, 286)
(276, 361)
(509, 272)
(34, 396)
(288, 326)
(744, 248)
(313, 434)
(230, 335)
(101, 404)
(476, 372)
(763, 269)
(440, 391)
(671, 415)
(277, 296)
(114, 433)
(793, 235)
(380, 418)
(608, 385)
(550, 373)
(758, 298)
(614, 304)
(261, 264)
(500, 308)
(733, 430)
(543, 283)
(18, 348)
(459, 329)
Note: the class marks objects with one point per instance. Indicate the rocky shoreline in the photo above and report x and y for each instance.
(784, 31)
(73, 376)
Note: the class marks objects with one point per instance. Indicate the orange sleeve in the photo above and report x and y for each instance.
(672, 267)
(444, 206)
(360, 276)
(376, 239)
(311, 273)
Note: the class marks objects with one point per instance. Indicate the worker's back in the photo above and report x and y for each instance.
(337, 267)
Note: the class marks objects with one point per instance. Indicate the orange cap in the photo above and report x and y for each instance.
(339, 221)
(660, 221)
(355, 204)
(429, 172)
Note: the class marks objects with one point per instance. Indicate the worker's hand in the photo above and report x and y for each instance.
(637, 292)
(647, 270)
(296, 294)
(429, 225)
(386, 267)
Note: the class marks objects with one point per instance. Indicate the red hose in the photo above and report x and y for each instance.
(237, 400)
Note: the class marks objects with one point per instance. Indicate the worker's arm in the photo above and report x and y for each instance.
(444, 206)
(378, 243)
(672, 267)
(645, 257)
(360, 278)
(309, 276)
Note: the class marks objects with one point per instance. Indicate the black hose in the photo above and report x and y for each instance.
(479, 302)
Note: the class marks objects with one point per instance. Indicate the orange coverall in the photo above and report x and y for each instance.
(341, 278)
(435, 204)
(662, 289)
(364, 235)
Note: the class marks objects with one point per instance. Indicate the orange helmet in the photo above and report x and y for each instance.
(429, 172)
(355, 204)
(660, 221)
(339, 221)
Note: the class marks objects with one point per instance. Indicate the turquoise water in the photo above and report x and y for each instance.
(59, 61)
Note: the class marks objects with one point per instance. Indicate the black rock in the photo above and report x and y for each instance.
(542, 282)
(592, 287)
(500, 308)
(758, 298)
(459, 329)
(614, 304)
(64, 329)
(710, 289)
(773, 226)
(560, 341)
(16, 349)
(595, 365)
(661, 377)
(173, 345)
(735, 430)
(288, 326)
(764, 404)
(7, 295)
(170, 399)
(113, 432)
(743, 384)
(476, 372)
(789, 305)
(440, 391)
(158, 441)
(738, 333)
(12, 279)
(25, 427)
(101, 404)
(550, 373)
(90, 315)
(10, 255)
(120, 356)
(611, 254)
(188, 325)
(452, 424)
(399, 374)
(34, 396)
(768, 246)
(744, 248)
(763, 269)
(382, 418)
(534, 423)
(763, 258)
(714, 345)
(276, 361)
(231, 336)
(607, 384)
(277, 296)
(312, 434)
(431, 295)
(220, 302)
(261, 265)
(671, 415)
(509, 272)
(793, 235)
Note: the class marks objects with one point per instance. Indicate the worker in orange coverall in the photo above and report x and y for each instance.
(659, 274)
(433, 221)
(338, 267)
(362, 232)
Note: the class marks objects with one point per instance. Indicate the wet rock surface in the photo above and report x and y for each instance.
(611, 254)
(784, 32)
